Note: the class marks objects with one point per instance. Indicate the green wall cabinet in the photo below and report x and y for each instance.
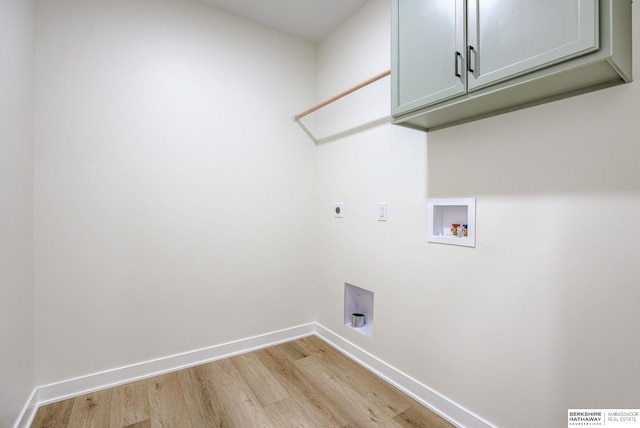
(460, 60)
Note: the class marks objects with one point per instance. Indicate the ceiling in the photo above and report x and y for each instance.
(309, 19)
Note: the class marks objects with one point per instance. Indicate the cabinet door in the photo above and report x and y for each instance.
(428, 52)
(509, 38)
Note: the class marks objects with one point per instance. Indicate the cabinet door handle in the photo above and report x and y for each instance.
(457, 58)
(470, 58)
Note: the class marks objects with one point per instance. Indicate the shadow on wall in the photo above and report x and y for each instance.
(344, 133)
(350, 115)
(553, 184)
(583, 144)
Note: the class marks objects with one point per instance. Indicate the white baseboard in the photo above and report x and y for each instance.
(449, 410)
(107, 379)
(29, 411)
(83, 385)
(58, 391)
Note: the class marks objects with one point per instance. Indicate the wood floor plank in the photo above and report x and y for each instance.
(288, 414)
(55, 415)
(239, 401)
(91, 410)
(388, 398)
(294, 350)
(166, 402)
(361, 410)
(303, 383)
(142, 424)
(384, 395)
(204, 406)
(311, 400)
(129, 405)
(259, 378)
(421, 417)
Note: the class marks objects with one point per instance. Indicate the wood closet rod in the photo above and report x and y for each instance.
(342, 94)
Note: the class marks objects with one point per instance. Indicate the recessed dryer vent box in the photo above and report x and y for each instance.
(359, 302)
(445, 213)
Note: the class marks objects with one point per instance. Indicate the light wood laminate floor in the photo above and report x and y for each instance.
(304, 383)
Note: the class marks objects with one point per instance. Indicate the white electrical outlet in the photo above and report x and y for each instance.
(382, 211)
(338, 209)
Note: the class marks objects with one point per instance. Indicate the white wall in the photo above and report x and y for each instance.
(175, 209)
(542, 315)
(174, 193)
(17, 62)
